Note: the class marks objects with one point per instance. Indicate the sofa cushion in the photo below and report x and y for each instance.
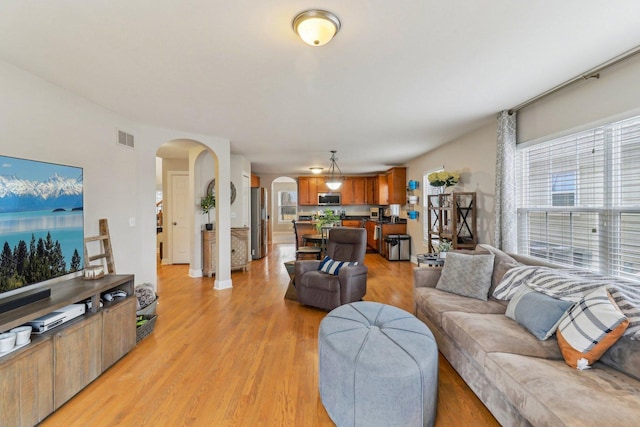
(434, 302)
(467, 275)
(572, 285)
(589, 328)
(624, 355)
(537, 312)
(481, 334)
(501, 264)
(548, 393)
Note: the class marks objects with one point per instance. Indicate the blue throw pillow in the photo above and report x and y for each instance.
(537, 312)
(331, 266)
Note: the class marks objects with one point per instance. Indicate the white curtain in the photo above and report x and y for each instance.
(506, 214)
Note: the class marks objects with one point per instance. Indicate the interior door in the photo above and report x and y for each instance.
(180, 218)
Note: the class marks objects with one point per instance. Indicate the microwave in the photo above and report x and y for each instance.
(325, 199)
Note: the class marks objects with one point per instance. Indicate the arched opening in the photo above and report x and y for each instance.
(284, 204)
(185, 171)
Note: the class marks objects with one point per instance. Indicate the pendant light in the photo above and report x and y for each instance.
(316, 27)
(334, 181)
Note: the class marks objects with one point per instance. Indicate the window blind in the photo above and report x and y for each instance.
(579, 199)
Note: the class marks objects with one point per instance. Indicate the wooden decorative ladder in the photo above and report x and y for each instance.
(107, 253)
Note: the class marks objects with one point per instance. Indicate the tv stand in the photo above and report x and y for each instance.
(38, 378)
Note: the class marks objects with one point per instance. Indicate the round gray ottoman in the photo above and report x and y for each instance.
(378, 367)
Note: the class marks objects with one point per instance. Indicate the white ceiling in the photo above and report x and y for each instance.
(400, 78)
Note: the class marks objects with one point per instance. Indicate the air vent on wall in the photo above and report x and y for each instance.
(125, 139)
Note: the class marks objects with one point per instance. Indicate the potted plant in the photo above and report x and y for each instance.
(443, 247)
(443, 179)
(207, 203)
(328, 218)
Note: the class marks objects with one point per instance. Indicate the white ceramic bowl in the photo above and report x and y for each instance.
(7, 341)
(23, 334)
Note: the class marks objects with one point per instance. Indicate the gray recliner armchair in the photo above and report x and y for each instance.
(328, 291)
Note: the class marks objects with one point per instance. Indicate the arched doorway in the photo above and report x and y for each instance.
(284, 206)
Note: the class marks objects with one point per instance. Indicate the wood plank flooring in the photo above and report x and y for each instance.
(241, 357)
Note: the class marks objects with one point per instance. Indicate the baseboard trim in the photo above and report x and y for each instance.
(195, 273)
(222, 284)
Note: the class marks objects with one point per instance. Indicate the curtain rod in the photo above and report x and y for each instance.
(592, 73)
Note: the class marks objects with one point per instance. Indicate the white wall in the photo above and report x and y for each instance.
(616, 94)
(44, 122)
(474, 157)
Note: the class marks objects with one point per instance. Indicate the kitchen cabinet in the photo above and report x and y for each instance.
(308, 189)
(376, 190)
(255, 181)
(353, 190)
(354, 223)
(375, 238)
(397, 187)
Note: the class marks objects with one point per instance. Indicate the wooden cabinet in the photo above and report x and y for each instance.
(240, 258)
(209, 249)
(372, 241)
(255, 181)
(397, 187)
(117, 338)
(353, 191)
(354, 223)
(240, 248)
(41, 376)
(26, 385)
(78, 357)
(376, 190)
(308, 189)
(452, 217)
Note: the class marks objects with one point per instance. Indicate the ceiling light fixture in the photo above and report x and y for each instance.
(334, 182)
(316, 27)
(316, 171)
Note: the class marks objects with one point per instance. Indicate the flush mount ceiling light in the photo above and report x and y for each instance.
(316, 27)
(316, 171)
(334, 182)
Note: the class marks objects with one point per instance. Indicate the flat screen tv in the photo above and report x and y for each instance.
(41, 224)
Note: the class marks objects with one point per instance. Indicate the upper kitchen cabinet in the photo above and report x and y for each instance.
(397, 185)
(376, 190)
(308, 189)
(353, 190)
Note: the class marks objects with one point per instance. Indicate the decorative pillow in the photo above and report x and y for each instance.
(589, 328)
(331, 266)
(467, 275)
(537, 312)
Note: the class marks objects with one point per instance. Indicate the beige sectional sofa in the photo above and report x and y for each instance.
(522, 380)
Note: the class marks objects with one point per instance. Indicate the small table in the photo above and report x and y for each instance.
(291, 289)
(432, 260)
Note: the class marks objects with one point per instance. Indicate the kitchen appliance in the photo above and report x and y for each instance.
(394, 212)
(258, 223)
(375, 214)
(329, 199)
(398, 247)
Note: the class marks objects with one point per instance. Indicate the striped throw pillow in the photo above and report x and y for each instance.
(332, 266)
(590, 327)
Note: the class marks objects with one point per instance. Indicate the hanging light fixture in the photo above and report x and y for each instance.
(334, 181)
(316, 27)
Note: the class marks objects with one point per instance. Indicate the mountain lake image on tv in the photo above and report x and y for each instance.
(41, 222)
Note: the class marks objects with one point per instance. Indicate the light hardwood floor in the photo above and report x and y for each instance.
(241, 357)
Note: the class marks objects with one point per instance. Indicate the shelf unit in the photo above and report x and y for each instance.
(412, 199)
(38, 378)
(452, 217)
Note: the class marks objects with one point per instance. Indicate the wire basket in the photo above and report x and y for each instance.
(146, 328)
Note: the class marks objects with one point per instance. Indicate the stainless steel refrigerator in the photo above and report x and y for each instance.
(258, 223)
